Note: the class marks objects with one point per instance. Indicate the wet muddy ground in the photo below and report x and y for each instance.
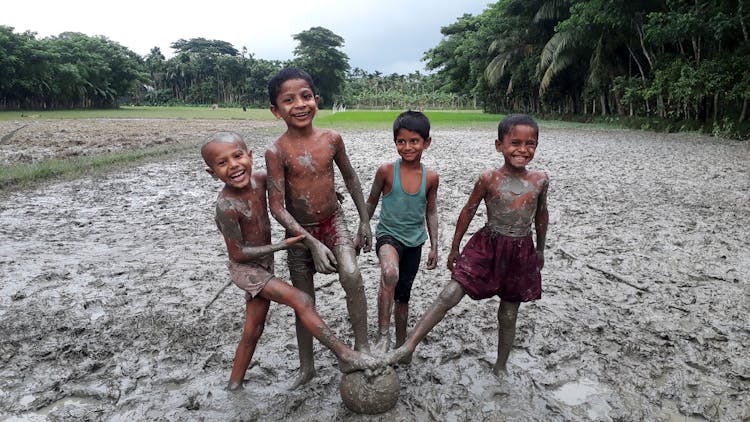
(644, 314)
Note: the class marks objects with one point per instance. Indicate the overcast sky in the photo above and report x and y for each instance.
(380, 35)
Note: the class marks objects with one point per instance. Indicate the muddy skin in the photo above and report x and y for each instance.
(102, 279)
(389, 270)
(449, 297)
(507, 313)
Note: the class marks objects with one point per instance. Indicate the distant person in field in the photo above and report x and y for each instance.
(302, 197)
(409, 193)
(242, 218)
(500, 259)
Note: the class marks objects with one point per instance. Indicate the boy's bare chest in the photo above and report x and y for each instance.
(309, 161)
(513, 193)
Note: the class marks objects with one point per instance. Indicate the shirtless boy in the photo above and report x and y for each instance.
(242, 218)
(499, 259)
(302, 197)
(409, 199)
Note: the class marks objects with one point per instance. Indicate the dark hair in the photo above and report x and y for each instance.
(512, 120)
(274, 85)
(414, 121)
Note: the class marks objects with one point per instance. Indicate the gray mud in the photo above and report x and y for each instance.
(644, 314)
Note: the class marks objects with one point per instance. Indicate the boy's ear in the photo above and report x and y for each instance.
(427, 141)
(498, 145)
(274, 111)
(211, 172)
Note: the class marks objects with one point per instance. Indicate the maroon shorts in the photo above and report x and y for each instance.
(331, 231)
(495, 265)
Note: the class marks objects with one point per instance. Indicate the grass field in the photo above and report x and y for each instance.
(28, 174)
(351, 119)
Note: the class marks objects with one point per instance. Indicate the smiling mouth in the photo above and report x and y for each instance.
(237, 175)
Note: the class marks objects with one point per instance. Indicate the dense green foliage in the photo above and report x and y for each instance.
(318, 53)
(71, 70)
(676, 60)
(680, 63)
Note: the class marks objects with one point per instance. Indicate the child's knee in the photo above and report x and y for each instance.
(350, 277)
(303, 301)
(389, 276)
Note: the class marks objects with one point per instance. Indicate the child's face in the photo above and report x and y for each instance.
(296, 103)
(230, 163)
(410, 145)
(518, 146)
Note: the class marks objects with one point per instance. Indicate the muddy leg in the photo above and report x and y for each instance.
(388, 278)
(449, 297)
(506, 333)
(356, 303)
(281, 292)
(302, 278)
(255, 319)
(401, 317)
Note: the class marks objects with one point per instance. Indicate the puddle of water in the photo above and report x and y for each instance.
(575, 393)
(26, 400)
(41, 415)
(589, 393)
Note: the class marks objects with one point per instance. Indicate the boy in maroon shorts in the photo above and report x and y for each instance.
(500, 259)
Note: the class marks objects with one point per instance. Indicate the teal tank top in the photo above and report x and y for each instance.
(402, 215)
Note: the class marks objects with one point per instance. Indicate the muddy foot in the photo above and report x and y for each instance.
(235, 386)
(303, 378)
(359, 361)
(400, 355)
(383, 345)
(499, 370)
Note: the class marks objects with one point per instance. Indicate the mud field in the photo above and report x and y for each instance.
(644, 314)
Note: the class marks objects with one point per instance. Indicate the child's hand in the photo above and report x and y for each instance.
(432, 259)
(452, 258)
(364, 237)
(295, 242)
(540, 260)
(323, 258)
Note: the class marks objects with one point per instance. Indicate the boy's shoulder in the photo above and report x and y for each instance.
(538, 177)
(387, 166)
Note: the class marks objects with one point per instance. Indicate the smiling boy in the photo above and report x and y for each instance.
(500, 259)
(409, 192)
(302, 197)
(242, 218)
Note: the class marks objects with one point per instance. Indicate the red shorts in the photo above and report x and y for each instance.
(495, 265)
(331, 231)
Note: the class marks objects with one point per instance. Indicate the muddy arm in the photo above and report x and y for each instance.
(351, 180)
(541, 220)
(465, 217)
(431, 216)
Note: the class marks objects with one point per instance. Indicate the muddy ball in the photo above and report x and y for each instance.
(370, 395)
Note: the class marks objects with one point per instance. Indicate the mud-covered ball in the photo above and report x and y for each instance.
(370, 395)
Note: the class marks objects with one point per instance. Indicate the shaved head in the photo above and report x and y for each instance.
(224, 138)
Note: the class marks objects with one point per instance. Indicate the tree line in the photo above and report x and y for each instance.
(672, 60)
(678, 60)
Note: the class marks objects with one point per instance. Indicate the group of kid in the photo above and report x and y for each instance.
(501, 259)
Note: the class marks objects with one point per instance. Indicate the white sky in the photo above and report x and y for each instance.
(389, 36)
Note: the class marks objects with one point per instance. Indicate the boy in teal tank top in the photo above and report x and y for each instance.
(409, 200)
